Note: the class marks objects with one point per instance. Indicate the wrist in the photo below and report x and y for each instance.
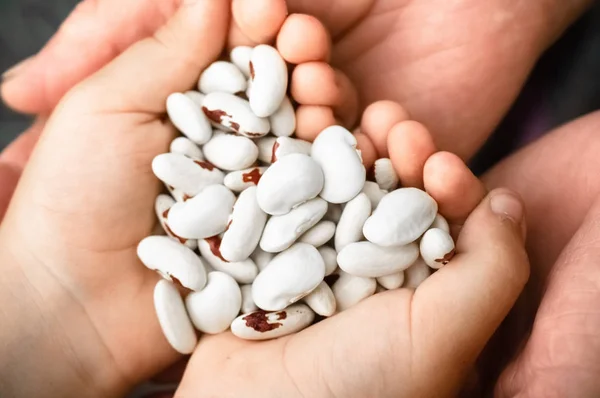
(42, 339)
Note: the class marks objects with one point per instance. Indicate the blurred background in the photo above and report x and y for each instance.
(564, 85)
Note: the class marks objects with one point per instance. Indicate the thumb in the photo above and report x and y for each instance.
(171, 60)
(92, 36)
(457, 310)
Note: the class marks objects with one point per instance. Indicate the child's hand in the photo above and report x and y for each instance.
(79, 303)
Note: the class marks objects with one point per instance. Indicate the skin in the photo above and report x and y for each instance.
(558, 210)
(78, 281)
(385, 46)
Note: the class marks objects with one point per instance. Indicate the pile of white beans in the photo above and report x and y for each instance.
(285, 229)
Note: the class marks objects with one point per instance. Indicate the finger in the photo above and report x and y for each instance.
(237, 37)
(410, 145)
(468, 299)
(312, 119)
(454, 187)
(337, 15)
(303, 38)
(178, 52)
(317, 83)
(367, 149)
(569, 308)
(91, 37)
(260, 20)
(378, 120)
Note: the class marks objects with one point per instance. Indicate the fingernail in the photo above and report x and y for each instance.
(18, 68)
(507, 204)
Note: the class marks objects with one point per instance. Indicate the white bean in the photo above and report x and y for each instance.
(437, 248)
(344, 174)
(162, 206)
(184, 174)
(291, 181)
(173, 318)
(286, 146)
(172, 261)
(401, 217)
(261, 325)
(188, 118)
(240, 56)
(234, 113)
(349, 290)
(385, 175)
(222, 76)
(262, 258)
(393, 281)
(283, 121)
(375, 194)
(321, 300)
(247, 301)
(371, 261)
(289, 277)
(203, 216)
(265, 149)
(319, 235)
(243, 272)
(230, 152)
(244, 229)
(330, 258)
(238, 181)
(282, 231)
(214, 308)
(350, 226)
(269, 75)
(440, 223)
(185, 146)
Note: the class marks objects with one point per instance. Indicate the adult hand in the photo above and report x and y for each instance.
(560, 351)
(456, 66)
(79, 303)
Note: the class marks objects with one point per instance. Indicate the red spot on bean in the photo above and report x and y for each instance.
(169, 230)
(228, 225)
(273, 154)
(254, 135)
(216, 115)
(253, 176)
(178, 283)
(258, 321)
(172, 188)
(446, 258)
(235, 126)
(215, 246)
(205, 165)
(171, 233)
(186, 197)
(281, 315)
(252, 73)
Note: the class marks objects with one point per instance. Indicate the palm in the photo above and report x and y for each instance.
(446, 62)
(91, 220)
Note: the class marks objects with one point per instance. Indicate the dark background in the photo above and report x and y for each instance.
(564, 85)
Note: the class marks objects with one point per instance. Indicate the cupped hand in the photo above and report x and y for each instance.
(77, 300)
(456, 66)
(76, 296)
